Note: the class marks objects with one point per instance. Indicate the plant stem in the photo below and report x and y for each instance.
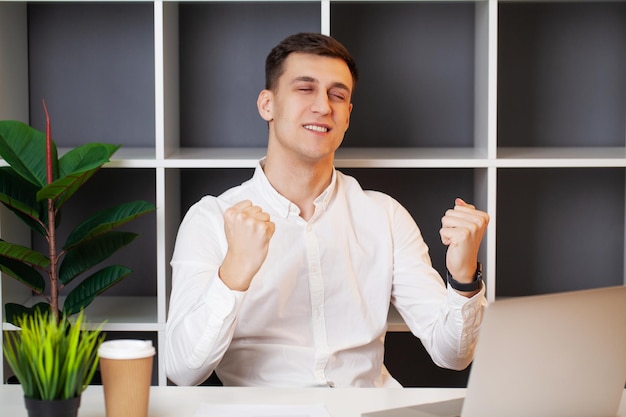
(49, 170)
(54, 279)
(54, 282)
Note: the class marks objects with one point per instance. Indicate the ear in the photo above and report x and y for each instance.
(264, 105)
(349, 113)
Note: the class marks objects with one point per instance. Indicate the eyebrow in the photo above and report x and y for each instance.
(306, 78)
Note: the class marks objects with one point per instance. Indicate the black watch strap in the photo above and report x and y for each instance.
(471, 286)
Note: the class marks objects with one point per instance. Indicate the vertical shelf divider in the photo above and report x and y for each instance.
(486, 67)
(325, 23)
(159, 117)
(171, 88)
(14, 105)
(167, 139)
(485, 125)
(482, 55)
(491, 251)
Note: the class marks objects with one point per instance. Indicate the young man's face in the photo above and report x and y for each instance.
(309, 110)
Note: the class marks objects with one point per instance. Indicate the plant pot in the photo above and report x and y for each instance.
(52, 408)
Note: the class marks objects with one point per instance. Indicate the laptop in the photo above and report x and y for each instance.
(550, 355)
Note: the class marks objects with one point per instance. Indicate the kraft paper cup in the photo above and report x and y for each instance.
(126, 367)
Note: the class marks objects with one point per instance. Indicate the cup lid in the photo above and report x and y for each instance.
(126, 349)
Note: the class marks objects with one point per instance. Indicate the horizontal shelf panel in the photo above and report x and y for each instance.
(508, 157)
(345, 158)
(125, 157)
(118, 313)
(140, 314)
(113, 327)
(128, 157)
(414, 157)
(561, 157)
(395, 322)
(411, 158)
(124, 312)
(214, 158)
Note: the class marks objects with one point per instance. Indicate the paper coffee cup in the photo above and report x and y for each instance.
(126, 368)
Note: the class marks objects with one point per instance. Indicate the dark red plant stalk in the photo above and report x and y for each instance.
(50, 176)
(54, 288)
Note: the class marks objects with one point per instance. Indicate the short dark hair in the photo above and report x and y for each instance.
(307, 43)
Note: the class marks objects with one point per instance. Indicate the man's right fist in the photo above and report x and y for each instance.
(248, 232)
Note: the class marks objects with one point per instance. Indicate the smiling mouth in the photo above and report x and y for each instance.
(315, 128)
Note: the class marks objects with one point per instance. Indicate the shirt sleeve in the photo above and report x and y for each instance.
(203, 310)
(446, 322)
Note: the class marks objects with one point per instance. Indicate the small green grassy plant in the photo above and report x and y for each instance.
(52, 360)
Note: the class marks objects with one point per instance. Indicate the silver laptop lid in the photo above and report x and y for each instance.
(552, 355)
(544, 356)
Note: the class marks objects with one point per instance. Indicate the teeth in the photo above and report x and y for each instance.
(316, 128)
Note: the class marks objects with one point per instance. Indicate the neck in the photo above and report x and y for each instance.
(300, 182)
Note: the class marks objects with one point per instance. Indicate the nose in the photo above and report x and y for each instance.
(321, 103)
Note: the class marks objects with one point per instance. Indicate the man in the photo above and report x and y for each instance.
(286, 279)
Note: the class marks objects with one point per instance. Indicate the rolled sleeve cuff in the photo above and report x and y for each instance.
(469, 319)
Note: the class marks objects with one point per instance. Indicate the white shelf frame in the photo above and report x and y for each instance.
(167, 158)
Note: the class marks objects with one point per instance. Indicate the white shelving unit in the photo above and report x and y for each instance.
(454, 99)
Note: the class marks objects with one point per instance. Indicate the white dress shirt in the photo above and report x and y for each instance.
(316, 312)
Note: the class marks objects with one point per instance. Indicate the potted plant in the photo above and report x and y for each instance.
(35, 185)
(53, 360)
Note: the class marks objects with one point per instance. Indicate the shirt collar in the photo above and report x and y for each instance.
(324, 198)
(282, 205)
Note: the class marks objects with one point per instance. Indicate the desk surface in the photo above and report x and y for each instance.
(183, 401)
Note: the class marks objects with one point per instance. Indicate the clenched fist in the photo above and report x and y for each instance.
(248, 232)
(462, 229)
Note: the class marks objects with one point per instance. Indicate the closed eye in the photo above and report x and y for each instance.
(337, 96)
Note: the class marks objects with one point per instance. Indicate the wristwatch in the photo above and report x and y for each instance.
(471, 286)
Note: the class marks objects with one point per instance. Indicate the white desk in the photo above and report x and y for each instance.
(183, 401)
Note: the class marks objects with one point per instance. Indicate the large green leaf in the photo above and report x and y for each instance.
(91, 252)
(85, 292)
(33, 224)
(107, 220)
(13, 312)
(19, 196)
(24, 149)
(63, 188)
(86, 157)
(17, 193)
(23, 273)
(24, 254)
(75, 168)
